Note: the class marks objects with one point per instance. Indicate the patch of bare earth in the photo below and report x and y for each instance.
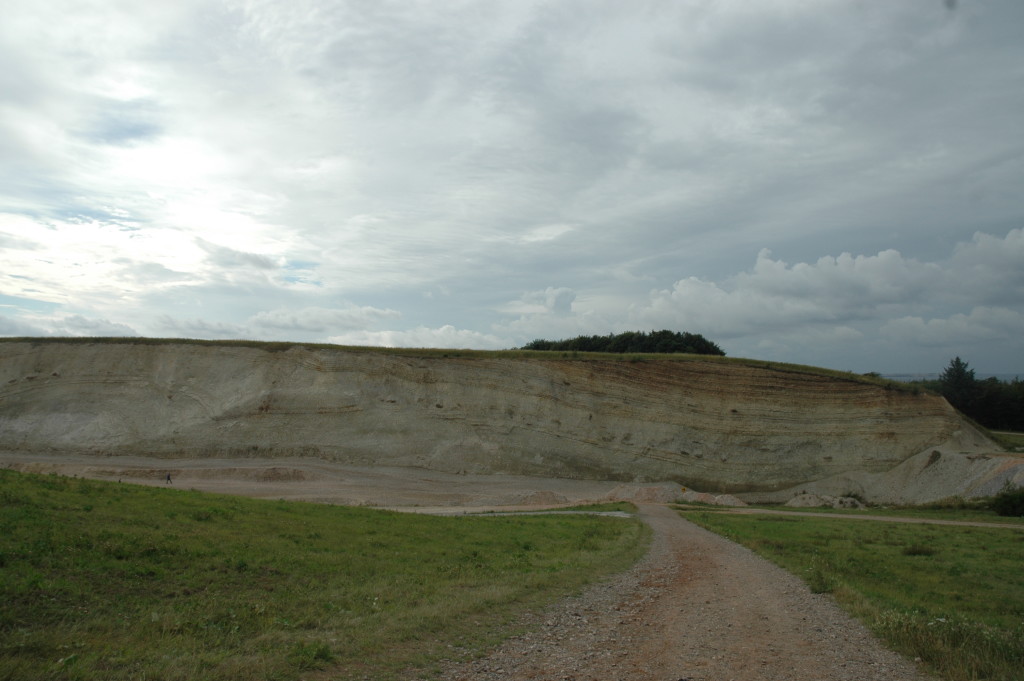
(699, 608)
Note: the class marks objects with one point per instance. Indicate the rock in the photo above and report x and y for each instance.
(728, 426)
(693, 496)
(823, 501)
(807, 501)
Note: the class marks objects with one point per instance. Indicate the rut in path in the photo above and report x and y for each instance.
(697, 608)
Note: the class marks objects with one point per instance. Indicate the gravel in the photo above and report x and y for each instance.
(696, 608)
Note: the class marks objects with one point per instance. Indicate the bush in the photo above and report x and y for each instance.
(1009, 502)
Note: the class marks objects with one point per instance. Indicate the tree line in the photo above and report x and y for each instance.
(664, 341)
(995, 404)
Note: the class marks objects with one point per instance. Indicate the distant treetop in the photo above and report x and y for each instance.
(633, 341)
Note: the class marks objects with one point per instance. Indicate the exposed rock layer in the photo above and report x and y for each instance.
(711, 425)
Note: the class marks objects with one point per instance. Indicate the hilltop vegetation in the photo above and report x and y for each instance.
(661, 342)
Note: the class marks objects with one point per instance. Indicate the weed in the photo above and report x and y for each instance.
(306, 656)
(820, 576)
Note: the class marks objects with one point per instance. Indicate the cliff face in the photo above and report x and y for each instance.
(709, 425)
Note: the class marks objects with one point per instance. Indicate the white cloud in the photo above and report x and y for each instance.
(550, 301)
(199, 328)
(320, 321)
(77, 325)
(17, 327)
(446, 336)
(777, 296)
(981, 324)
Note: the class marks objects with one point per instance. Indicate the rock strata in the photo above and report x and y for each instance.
(719, 426)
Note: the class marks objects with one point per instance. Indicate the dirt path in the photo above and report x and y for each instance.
(697, 608)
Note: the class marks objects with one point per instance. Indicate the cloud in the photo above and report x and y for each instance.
(988, 269)
(73, 325)
(15, 327)
(981, 324)
(199, 328)
(77, 325)
(781, 176)
(446, 336)
(775, 295)
(222, 256)
(320, 321)
(550, 301)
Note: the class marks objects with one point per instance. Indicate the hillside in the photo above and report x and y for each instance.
(711, 425)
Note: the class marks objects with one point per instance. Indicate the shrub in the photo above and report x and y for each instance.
(1009, 502)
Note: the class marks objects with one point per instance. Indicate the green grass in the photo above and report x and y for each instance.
(106, 581)
(1013, 442)
(952, 509)
(953, 596)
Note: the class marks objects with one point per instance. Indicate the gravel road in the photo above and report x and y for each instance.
(696, 608)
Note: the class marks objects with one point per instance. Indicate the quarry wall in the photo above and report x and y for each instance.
(711, 425)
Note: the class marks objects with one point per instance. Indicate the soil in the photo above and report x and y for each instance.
(696, 608)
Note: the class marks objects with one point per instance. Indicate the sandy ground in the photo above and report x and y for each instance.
(320, 481)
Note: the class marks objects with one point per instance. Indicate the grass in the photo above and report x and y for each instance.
(550, 355)
(1012, 442)
(106, 581)
(953, 596)
(952, 509)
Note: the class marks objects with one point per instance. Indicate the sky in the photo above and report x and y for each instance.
(829, 182)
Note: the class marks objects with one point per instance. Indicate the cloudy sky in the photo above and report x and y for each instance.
(829, 182)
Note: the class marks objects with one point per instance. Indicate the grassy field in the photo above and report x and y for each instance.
(107, 581)
(953, 596)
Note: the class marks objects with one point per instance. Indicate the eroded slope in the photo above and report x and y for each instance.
(710, 425)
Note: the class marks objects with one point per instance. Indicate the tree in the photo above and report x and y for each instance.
(958, 385)
(664, 341)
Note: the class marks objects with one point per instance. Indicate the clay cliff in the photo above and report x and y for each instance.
(712, 425)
